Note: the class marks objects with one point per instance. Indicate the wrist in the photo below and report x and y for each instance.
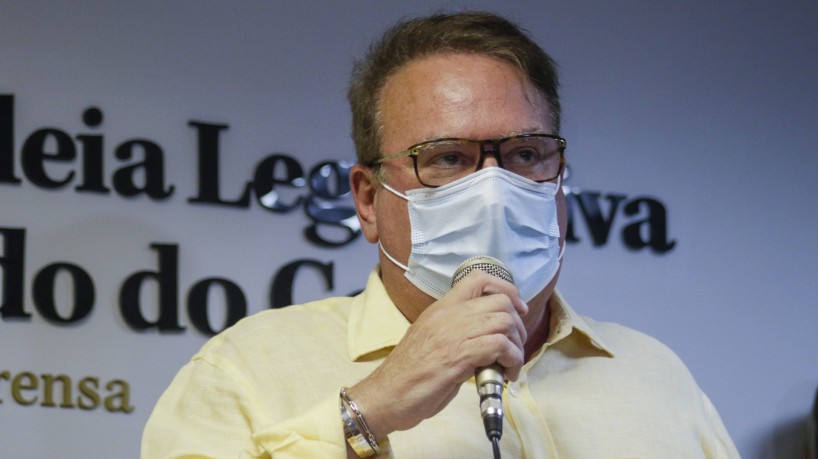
(360, 438)
(378, 417)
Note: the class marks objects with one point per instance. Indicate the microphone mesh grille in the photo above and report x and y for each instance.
(488, 265)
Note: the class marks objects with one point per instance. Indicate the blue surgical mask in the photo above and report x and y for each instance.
(491, 212)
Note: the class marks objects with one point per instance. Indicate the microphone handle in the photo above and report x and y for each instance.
(489, 382)
(489, 379)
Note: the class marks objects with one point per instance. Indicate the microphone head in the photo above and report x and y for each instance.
(485, 263)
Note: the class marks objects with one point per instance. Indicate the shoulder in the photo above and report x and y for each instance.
(294, 328)
(645, 361)
(627, 342)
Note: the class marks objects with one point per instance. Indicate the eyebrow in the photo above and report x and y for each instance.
(527, 130)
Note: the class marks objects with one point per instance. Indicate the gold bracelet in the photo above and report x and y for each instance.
(363, 443)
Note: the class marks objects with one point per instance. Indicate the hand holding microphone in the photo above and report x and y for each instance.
(477, 324)
(489, 379)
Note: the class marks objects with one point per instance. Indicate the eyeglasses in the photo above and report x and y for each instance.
(538, 157)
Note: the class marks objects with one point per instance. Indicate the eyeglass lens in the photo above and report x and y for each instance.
(444, 161)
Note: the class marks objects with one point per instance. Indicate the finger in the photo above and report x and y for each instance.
(498, 307)
(513, 330)
(504, 322)
(488, 349)
(478, 283)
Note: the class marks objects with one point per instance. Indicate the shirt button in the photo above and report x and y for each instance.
(513, 391)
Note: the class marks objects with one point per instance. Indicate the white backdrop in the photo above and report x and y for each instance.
(710, 108)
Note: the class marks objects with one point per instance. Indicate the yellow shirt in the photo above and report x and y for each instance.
(269, 386)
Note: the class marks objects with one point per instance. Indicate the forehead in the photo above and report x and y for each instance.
(459, 95)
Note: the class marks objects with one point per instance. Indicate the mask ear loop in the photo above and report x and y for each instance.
(562, 252)
(391, 258)
(394, 191)
(565, 243)
(380, 246)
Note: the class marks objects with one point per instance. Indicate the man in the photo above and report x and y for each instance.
(456, 122)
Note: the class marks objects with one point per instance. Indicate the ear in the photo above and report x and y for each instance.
(364, 185)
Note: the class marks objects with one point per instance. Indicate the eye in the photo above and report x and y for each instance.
(446, 156)
(452, 159)
(449, 159)
(523, 155)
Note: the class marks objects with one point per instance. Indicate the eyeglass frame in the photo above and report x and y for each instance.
(415, 150)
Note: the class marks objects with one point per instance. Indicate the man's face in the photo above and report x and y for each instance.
(449, 95)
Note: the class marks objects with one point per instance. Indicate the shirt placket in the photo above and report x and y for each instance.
(528, 422)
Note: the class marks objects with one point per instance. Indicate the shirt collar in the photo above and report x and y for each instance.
(375, 323)
(565, 321)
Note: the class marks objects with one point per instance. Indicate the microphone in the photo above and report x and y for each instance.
(489, 379)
